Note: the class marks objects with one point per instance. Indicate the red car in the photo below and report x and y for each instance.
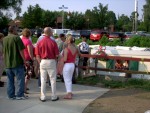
(96, 35)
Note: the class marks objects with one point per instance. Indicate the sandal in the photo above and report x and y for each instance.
(68, 96)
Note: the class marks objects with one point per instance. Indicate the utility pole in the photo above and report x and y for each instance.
(136, 16)
(63, 7)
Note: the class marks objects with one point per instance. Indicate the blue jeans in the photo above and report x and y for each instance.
(19, 72)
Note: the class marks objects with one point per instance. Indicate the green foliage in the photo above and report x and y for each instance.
(138, 41)
(90, 42)
(76, 21)
(145, 42)
(97, 17)
(49, 18)
(34, 39)
(111, 18)
(122, 23)
(33, 17)
(115, 42)
(134, 41)
(78, 41)
(113, 84)
(104, 40)
(89, 80)
(14, 4)
(130, 83)
(141, 27)
(5, 5)
(147, 15)
(56, 36)
(4, 21)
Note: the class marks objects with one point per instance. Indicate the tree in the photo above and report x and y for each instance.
(4, 20)
(111, 18)
(141, 27)
(49, 18)
(14, 4)
(97, 17)
(89, 18)
(100, 14)
(4, 6)
(33, 17)
(147, 15)
(123, 22)
(75, 21)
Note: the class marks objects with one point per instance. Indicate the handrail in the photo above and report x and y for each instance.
(105, 56)
(115, 57)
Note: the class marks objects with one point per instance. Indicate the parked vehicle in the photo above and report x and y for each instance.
(148, 35)
(142, 33)
(97, 35)
(129, 35)
(60, 31)
(85, 33)
(65, 31)
(75, 34)
(114, 35)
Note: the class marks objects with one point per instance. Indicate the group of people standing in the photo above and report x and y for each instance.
(20, 52)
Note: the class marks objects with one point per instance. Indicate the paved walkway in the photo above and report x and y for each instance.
(83, 95)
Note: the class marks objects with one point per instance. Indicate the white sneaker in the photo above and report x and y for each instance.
(21, 98)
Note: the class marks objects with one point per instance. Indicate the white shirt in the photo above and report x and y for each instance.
(42, 36)
(29, 38)
(84, 47)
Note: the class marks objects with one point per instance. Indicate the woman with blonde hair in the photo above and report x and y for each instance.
(70, 54)
(28, 53)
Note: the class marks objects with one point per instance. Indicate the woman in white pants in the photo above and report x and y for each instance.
(70, 53)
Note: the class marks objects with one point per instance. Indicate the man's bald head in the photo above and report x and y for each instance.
(48, 31)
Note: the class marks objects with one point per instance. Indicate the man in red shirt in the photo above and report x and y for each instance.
(46, 53)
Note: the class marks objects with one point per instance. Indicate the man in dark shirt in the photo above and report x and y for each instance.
(14, 61)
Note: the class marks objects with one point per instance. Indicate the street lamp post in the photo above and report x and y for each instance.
(136, 14)
(63, 7)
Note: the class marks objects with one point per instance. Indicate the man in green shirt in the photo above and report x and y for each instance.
(14, 61)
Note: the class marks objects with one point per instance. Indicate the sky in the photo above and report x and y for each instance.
(119, 7)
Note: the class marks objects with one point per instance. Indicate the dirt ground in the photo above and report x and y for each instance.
(121, 101)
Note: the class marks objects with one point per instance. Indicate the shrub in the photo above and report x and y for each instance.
(138, 41)
(115, 42)
(103, 41)
(55, 35)
(34, 39)
(77, 41)
(145, 42)
(134, 41)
